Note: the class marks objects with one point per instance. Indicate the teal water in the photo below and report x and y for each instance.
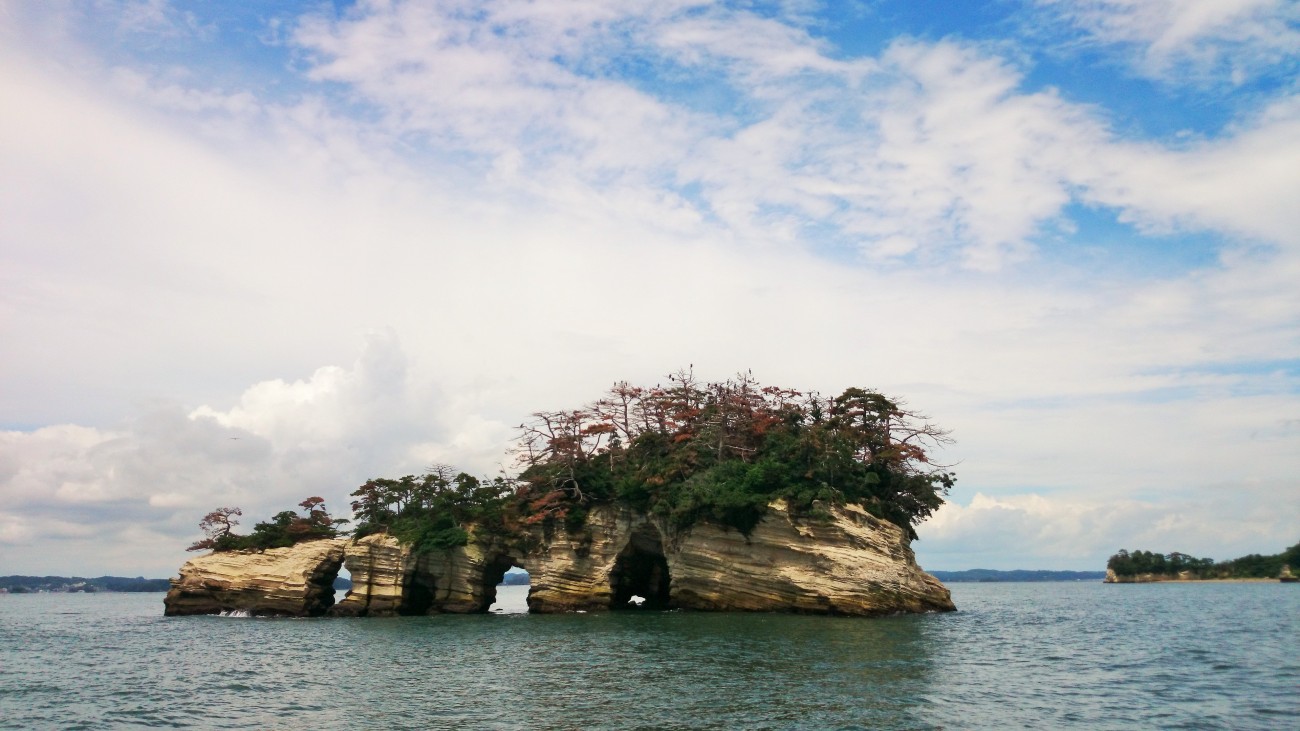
(1052, 655)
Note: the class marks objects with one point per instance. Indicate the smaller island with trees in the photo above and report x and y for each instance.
(1138, 567)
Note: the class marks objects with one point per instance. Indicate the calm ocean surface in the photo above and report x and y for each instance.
(1053, 655)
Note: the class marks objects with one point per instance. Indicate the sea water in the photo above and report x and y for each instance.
(1042, 656)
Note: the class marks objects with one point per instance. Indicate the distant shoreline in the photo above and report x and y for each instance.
(20, 584)
(1248, 580)
(990, 576)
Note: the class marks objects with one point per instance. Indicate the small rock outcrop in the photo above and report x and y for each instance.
(297, 581)
(1114, 578)
(840, 561)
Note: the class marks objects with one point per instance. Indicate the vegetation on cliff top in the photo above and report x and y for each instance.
(432, 511)
(1253, 566)
(284, 529)
(689, 451)
(722, 452)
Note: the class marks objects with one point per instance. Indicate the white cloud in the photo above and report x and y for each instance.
(152, 18)
(1181, 39)
(1079, 533)
(935, 144)
(1240, 185)
(14, 530)
(520, 224)
(150, 480)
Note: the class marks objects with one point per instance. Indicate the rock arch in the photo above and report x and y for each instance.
(494, 572)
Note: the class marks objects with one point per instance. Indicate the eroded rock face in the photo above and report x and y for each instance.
(379, 569)
(850, 563)
(845, 562)
(290, 582)
(572, 572)
(389, 579)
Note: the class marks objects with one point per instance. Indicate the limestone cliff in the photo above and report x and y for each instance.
(843, 562)
(848, 563)
(389, 579)
(292, 582)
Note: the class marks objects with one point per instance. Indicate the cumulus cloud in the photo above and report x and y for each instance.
(148, 481)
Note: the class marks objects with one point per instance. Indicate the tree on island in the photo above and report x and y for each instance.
(217, 526)
(284, 529)
(432, 511)
(1124, 563)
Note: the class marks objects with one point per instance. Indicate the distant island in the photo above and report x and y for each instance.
(78, 584)
(991, 575)
(515, 578)
(1139, 567)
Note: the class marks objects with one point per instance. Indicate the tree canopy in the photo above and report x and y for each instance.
(723, 451)
(432, 511)
(284, 529)
(1125, 563)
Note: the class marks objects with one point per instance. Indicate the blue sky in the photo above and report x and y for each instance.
(367, 237)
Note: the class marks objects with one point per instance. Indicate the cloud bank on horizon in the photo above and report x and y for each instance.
(251, 254)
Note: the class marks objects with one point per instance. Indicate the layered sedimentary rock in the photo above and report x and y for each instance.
(847, 562)
(379, 567)
(851, 563)
(388, 578)
(839, 561)
(294, 582)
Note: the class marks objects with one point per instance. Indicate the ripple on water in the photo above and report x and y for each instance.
(1016, 656)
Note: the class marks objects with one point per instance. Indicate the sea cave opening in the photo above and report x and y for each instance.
(417, 594)
(323, 588)
(505, 587)
(640, 578)
(342, 582)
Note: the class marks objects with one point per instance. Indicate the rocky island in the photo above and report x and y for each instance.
(851, 564)
(711, 497)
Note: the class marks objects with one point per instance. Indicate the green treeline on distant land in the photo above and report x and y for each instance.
(1253, 566)
(685, 452)
(30, 584)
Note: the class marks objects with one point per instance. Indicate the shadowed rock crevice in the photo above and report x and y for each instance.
(641, 570)
(321, 586)
(418, 593)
